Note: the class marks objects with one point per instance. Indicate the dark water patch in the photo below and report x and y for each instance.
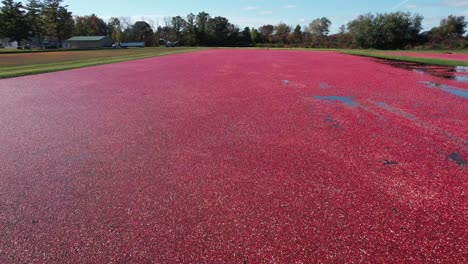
(332, 122)
(446, 72)
(346, 100)
(389, 163)
(395, 110)
(324, 85)
(456, 157)
(446, 88)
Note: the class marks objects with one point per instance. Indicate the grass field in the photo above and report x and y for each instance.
(13, 64)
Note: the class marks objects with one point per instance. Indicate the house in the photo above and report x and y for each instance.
(88, 42)
(5, 42)
(32, 42)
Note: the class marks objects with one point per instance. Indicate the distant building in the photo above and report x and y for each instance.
(88, 42)
(132, 44)
(5, 42)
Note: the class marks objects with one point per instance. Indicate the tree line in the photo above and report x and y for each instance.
(51, 19)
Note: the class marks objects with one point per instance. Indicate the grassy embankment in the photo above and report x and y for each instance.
(14, 64)
(400, 57)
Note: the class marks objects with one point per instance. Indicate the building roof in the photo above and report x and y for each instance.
(87, 38)
(132, 44)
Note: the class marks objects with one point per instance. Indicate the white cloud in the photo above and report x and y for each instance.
(456, 3)
(402, 3)
(290, 6)
(411, 6)
(266, 12)
(250, 8)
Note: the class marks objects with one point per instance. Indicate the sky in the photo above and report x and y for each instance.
(255, 13)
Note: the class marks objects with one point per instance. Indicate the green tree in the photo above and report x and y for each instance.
(298, 34)
(116, 29)
(202, 21)
(246, 37)
(320, 27)
(13, 21)
(191, 30)
(178, 25)
(361, 30)
(386, 31)
(256, 36)
(219, 31)
(142, 31)
(35, 19)
(396, 30)
(452, 26)
(59, 21)
(282, 32)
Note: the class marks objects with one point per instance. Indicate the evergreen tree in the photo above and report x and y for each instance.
(35, 19)
(298, 34)
(13, 23)
(58, 20)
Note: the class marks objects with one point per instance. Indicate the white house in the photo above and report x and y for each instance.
(5, 42)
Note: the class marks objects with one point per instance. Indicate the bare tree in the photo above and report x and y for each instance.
(126, 22)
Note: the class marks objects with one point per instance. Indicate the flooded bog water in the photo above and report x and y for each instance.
(458, 73)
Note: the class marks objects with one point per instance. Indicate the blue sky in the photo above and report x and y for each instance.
(255, 13)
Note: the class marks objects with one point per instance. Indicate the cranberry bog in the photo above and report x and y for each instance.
(235, 156)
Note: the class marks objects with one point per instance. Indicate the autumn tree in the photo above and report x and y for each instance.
(90, 26)
(267, 31)
(282, 31)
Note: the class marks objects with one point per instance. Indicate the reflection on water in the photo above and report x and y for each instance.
(449, 89)
(347, 100)
(459, 73)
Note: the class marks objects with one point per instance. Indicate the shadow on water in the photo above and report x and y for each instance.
(455, 157)
(458, 73)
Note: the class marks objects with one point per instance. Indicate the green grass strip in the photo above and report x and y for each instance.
(16, 71)
(432, 61)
